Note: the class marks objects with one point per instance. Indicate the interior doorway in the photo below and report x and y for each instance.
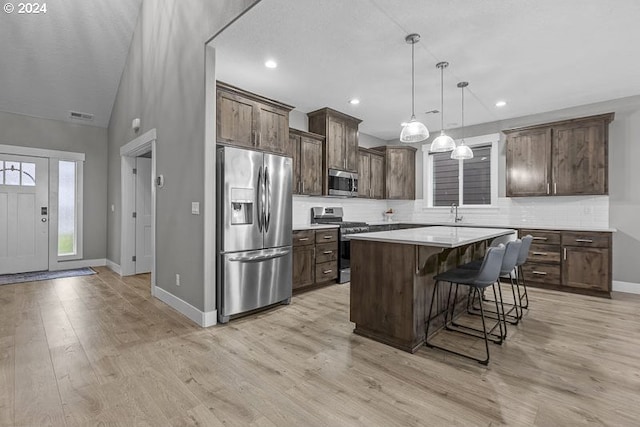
(24, 214)
(138, 169)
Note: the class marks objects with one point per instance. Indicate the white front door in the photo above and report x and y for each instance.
(24, 209)
(144, 250)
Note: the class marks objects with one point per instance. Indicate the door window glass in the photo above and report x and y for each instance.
(67, 233)
(28, 174)
(12, 173)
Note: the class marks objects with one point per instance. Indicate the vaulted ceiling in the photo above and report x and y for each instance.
(67, 59)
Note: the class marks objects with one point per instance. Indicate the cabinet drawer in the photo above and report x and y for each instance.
(544, 273)
(591, 240)
(326, 271)
(303, 237)
(542, 237)
(326, 236)
(544, 253)
(326, 252)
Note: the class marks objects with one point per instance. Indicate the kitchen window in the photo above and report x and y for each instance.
(469, 183)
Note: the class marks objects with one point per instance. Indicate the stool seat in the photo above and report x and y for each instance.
(476, 280)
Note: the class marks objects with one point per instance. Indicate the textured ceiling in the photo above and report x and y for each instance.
(538, 55)
(70, 58)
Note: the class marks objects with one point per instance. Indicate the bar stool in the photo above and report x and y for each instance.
(522, 258)
(477, 280)
(507, 270)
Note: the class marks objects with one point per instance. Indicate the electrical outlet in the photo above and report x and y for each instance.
(177, 280)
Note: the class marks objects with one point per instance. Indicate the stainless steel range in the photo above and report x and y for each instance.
(335, 215)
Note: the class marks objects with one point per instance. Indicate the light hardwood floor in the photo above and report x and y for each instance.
(98, 350)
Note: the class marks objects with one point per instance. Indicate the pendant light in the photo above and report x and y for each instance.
(462, 151)
(444, 142)
(413, 131)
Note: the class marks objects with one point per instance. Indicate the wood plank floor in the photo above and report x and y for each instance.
(98, 350)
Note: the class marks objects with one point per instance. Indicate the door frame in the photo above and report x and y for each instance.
(53, 156)
(141, 145)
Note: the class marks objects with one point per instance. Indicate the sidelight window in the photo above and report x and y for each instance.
(69, 208)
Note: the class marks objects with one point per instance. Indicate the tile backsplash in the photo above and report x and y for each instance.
(354, 209)
(573, 211)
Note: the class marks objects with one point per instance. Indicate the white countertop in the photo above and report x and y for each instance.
(314, 226)
(525, 226)
(443, 237)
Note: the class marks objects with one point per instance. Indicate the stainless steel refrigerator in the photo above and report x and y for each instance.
(254, 232)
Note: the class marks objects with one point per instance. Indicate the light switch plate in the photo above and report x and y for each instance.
(195, 208)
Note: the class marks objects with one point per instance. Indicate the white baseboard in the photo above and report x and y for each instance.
(204, 319)
(627, 287)
(81, 263)
(114, 267)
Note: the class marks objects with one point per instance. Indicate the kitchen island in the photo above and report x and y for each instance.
(392, 278)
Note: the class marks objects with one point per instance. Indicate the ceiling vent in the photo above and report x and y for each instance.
(80, 116)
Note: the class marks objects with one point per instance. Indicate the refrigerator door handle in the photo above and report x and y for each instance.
(259, 199)
(267, 185)
(257, 258)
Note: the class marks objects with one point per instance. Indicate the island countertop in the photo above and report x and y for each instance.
(442, 237)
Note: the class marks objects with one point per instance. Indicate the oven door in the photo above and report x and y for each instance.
(343, 183)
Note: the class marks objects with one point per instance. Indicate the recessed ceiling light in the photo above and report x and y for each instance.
(271, 64)
(354, 101)
(501, 104)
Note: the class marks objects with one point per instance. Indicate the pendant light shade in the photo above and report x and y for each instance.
(462, 151)
(444, 142)
(413, 130)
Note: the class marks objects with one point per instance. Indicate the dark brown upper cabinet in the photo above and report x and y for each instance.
(307, 149)
(248, 120)
(341, 132)
(400, 171)
(559, 159)
(370, 174)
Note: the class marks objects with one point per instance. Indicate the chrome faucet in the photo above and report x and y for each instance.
(454, 208)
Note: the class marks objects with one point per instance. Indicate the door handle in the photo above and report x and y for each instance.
(257, 258)
(540, 253)
(267, 185)
(540, 273)
(304, 239)
(43, 219)
(327, 252)
(259, 200)
(584, 240)
(539, 238)
(327, 271)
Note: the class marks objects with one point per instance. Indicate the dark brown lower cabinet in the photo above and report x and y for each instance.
(315, 258)
(573, 261)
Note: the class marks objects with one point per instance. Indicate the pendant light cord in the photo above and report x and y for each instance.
(413, 84)
(442, 99)
(463, 114)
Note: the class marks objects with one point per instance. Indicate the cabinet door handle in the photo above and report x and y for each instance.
(541, 253)
(327, 252)
(539, 273)
(259, 138)
(254, 135)
(302, 186)
(327, 237)
(540, 238)
(565, 254)
(327, 271)
(555, 188)
(584, 240)
(548, 188)
(303, 239)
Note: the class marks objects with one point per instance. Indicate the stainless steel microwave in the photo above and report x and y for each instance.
(343, 183)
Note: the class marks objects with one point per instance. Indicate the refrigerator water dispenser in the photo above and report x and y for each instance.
(241, 206)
